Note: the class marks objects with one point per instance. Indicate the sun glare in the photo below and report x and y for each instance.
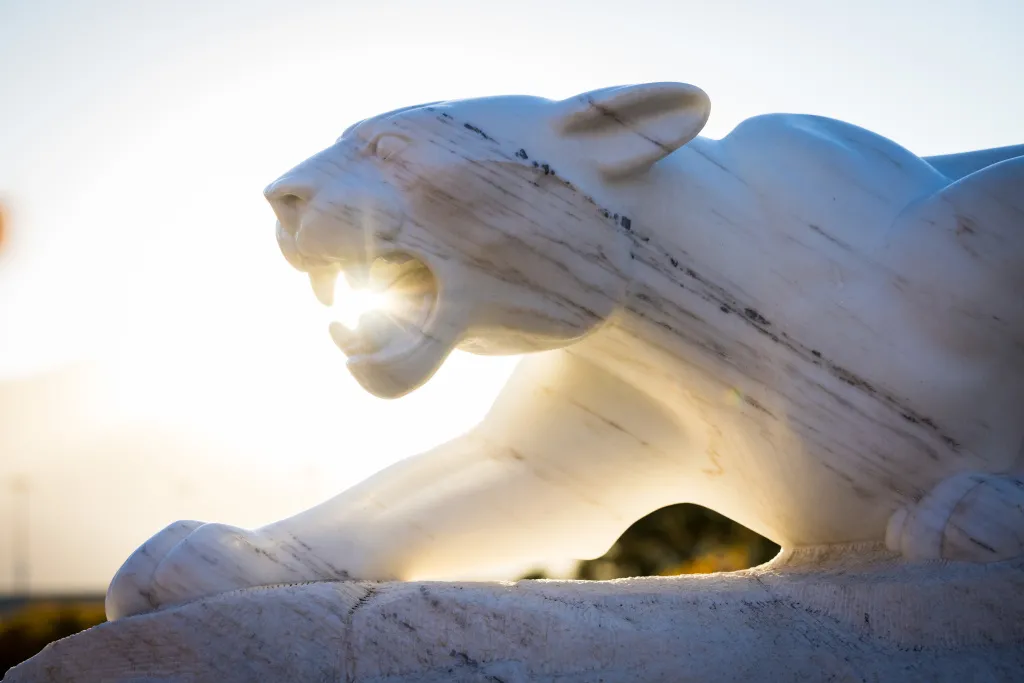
(351, 304)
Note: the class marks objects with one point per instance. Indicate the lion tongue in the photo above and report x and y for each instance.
(351, 342)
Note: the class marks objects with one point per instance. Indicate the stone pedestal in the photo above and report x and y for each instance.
(807, 616)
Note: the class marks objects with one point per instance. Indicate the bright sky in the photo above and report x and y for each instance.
(189, 372)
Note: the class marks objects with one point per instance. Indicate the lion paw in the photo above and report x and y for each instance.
(190, 560)
(970, 516)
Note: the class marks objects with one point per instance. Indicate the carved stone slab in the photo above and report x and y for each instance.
(805, 617)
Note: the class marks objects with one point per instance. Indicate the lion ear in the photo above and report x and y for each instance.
(628, 128)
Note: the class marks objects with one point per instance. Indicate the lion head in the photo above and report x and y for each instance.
(470, 216)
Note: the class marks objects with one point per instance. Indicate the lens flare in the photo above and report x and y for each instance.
(352, 304)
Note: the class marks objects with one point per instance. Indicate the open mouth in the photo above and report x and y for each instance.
(405, 294)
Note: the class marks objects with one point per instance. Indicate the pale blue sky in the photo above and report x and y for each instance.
(136, 137)
(84, 84)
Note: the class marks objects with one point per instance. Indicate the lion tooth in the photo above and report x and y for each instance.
(375, 332)
(349, 341)
(358, 275)
(323, 281)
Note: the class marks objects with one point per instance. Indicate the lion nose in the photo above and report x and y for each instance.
(288, 200)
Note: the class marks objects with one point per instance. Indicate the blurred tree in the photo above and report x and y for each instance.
(680, 539)
(26, 631)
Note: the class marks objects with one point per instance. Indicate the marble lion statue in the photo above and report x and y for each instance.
(802, 326)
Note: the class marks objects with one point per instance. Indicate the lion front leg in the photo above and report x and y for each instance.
(970, 516)
(567, 459)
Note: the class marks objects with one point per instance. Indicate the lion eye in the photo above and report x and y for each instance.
(387, 146)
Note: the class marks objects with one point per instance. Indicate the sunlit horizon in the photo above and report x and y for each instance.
(142, 279)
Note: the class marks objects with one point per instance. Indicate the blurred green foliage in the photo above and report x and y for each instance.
(27, 629)
(680, 539)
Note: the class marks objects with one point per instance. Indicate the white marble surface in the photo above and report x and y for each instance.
(802, 326)
(810, 616)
